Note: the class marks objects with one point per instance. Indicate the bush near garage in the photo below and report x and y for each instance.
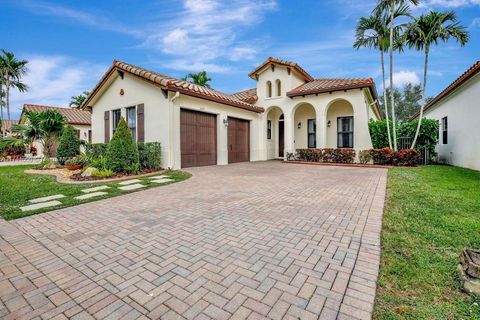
(150, 154)
(122, 152)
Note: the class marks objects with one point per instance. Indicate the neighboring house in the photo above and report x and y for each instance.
(288, 109)
(6, 125)
(79, 119)
(457, 108)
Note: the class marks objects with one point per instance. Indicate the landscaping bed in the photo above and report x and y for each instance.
(432, 213)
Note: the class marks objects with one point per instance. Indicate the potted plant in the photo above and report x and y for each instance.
(74, 163)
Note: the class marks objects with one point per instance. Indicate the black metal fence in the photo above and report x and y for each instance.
(406, 143)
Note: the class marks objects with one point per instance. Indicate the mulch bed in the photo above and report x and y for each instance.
(117, 175)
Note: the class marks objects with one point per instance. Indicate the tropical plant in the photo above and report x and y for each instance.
(391, 6)
(428, 30)
(122, 152)
(69, 144)
(11, 71)
(427, 137)
(76, 101)
(200, 78)
(372, 32)
(378, 133)
(408, 100)
(44, 126)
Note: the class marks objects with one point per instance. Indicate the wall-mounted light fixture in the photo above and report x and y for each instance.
(329, 123)
(225, 122)
(299, 126)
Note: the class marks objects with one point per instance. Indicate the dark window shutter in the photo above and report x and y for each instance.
(140, 123)
(107, 126)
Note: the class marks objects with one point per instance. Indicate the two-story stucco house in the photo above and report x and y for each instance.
(288, 109)
(457, 108)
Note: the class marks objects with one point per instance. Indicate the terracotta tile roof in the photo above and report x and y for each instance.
(249, 95)
(173, 84)
(6, 124)
(73, 116)
(473, 70)
(286, 63)
(329, 85)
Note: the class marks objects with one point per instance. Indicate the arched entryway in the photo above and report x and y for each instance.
(304, 126)
(275, 133)
(340, 124)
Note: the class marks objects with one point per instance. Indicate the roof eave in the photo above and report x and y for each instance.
(293, 94)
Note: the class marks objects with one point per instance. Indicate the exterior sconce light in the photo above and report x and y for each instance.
(299, 126)
(329, 123)
(225, 122)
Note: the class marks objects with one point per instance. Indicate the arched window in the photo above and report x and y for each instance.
(279, 87)
(269, 89)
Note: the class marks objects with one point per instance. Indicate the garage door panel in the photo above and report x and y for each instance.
(198, 138)
(238, 140)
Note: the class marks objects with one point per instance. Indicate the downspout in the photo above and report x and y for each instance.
(172, 121)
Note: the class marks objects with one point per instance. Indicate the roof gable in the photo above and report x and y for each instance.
(289, 64)
(471, 72)
(171, 84)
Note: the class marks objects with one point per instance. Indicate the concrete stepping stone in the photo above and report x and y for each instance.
(45, 199)
(124, 183)
(158, 177)
(165, 180)
(40, 205)
(95, 189)
(132, 187)
(91, 195)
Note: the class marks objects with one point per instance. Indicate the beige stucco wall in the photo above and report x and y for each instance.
(273, 114)
(302, 114)
(339, 108)
(462, 109)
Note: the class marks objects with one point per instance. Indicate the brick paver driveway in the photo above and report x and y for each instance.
(253, 240)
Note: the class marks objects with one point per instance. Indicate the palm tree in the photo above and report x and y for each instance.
(76, 101)
(2, 97)
(11, 71)
(426, 31)
(385, 6)
(200, 78)
(44, 126)
(372, 32)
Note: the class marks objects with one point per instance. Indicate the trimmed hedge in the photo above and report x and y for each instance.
(122, 152)
(95, 150)
(150, 154)
(69, 145)
(405, 157)
(332, 155)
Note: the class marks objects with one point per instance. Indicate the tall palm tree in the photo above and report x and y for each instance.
(390, 6)
(372, 32)
(428, 30)
(76, 101)
(44, 126)
(2, 98)
(200, 78)
(12, 71)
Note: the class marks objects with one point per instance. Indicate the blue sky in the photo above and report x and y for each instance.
(70, 44)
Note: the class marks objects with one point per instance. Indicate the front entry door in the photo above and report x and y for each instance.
(281, 138)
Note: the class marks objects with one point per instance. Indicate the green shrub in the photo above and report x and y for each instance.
(379, 134)
(95, 150)
(100, 163)
(364, 156)
(405, 157)
(69, 145)
(311, 155)
(428, 136)
(340, 155)
(122, 152)
(150, 155)
(75, 161)
(103, 174)
(381, 156)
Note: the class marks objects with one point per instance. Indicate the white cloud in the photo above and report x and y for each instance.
(401, 78)
(52, 80)
(204, 31)
(476, 23)
(451, 3)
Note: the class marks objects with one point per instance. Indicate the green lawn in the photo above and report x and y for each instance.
(431, 214)
(17, 187)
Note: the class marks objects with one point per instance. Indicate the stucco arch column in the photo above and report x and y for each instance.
(321, 122)
(289, 133)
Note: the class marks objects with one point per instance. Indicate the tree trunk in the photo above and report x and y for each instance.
(392, 101)
(424, 88)
(385, 99)
(7, 95)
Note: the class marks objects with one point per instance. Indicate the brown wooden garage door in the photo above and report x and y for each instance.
(238, 140)
(198, 133)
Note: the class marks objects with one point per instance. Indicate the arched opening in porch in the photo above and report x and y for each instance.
(340, 124)
(275, 133)
(304, 126)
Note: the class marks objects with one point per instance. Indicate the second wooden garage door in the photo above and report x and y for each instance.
(238, 140)
(198, 135)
